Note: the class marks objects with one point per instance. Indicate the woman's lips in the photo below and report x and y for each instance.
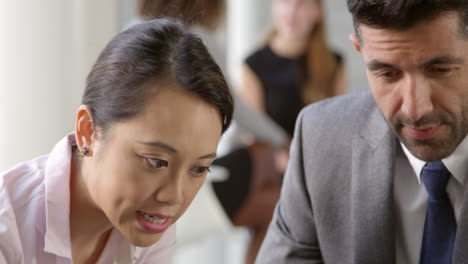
(421, 133)
(155, 223)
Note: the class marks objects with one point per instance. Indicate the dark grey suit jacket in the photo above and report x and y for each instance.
(336, 204)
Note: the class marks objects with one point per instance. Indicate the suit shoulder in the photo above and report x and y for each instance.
(350, 104)
(347, 112)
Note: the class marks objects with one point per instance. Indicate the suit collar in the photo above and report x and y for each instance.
(372, 198)
(376, 129)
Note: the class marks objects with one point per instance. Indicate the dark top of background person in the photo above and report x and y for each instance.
(282, 81)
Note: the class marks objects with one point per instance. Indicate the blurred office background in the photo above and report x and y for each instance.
(47, 47)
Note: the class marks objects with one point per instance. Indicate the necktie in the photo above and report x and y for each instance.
(440, 225)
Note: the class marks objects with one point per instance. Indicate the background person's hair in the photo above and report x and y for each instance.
(402, 14)
(149, 53)
(206, 13)
(321, 65)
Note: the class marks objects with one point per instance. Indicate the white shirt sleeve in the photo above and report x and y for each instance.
(10, 243)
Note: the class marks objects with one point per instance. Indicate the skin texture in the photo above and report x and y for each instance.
(155, 162)
(419, 79)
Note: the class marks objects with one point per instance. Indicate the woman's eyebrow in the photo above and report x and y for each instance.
(208, 156)
(169, 148)
(159, 144)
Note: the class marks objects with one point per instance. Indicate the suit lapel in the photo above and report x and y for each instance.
(372, 193)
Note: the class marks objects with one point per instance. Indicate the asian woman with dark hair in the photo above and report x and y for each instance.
(153, 111)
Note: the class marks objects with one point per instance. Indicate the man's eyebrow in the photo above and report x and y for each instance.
(374, 65)
(443, 60)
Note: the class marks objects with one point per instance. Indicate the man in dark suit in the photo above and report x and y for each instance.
(380, 176)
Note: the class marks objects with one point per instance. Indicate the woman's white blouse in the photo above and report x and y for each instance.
(34, 216)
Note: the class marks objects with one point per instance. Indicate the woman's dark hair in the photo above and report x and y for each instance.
(119, 83)
(402, 14)
(206, 13)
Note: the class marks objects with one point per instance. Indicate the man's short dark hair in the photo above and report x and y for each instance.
(402, 14)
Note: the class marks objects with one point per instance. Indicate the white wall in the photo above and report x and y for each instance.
(46, 50)
(247, 24)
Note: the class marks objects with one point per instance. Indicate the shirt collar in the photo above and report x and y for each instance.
(57, 189)
(456, 163)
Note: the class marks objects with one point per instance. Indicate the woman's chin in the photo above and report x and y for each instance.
(144, 239)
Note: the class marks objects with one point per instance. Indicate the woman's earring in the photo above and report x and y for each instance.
(82, 153)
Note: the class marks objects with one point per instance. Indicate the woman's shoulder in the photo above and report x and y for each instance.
(22, 188)
(25, 177)
(21, 198)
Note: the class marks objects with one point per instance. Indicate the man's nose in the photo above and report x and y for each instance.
(417, 98)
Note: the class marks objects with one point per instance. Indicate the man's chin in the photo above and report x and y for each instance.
(427, 150)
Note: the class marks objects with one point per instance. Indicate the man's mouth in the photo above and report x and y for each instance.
(421, 133)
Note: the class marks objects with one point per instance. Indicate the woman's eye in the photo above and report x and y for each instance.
(156, 163)
(200, 170)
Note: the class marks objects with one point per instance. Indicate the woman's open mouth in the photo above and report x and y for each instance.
(153, 222)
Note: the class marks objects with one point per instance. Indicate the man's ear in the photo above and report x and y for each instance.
(355, 40)
(84, 128)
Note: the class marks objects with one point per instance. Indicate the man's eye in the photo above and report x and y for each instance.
(440, 71)
(200, 170)
(156, 163)
(388, 74)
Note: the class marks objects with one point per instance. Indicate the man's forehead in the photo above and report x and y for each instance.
(447, 22)
(419, 46)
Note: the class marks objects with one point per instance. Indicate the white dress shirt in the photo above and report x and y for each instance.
(35, 211)
(410, 197)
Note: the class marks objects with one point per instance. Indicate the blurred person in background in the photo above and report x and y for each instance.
(249, 194)
(295, 67)
(145, 135)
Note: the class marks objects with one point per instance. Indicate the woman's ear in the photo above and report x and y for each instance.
(84, 128)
